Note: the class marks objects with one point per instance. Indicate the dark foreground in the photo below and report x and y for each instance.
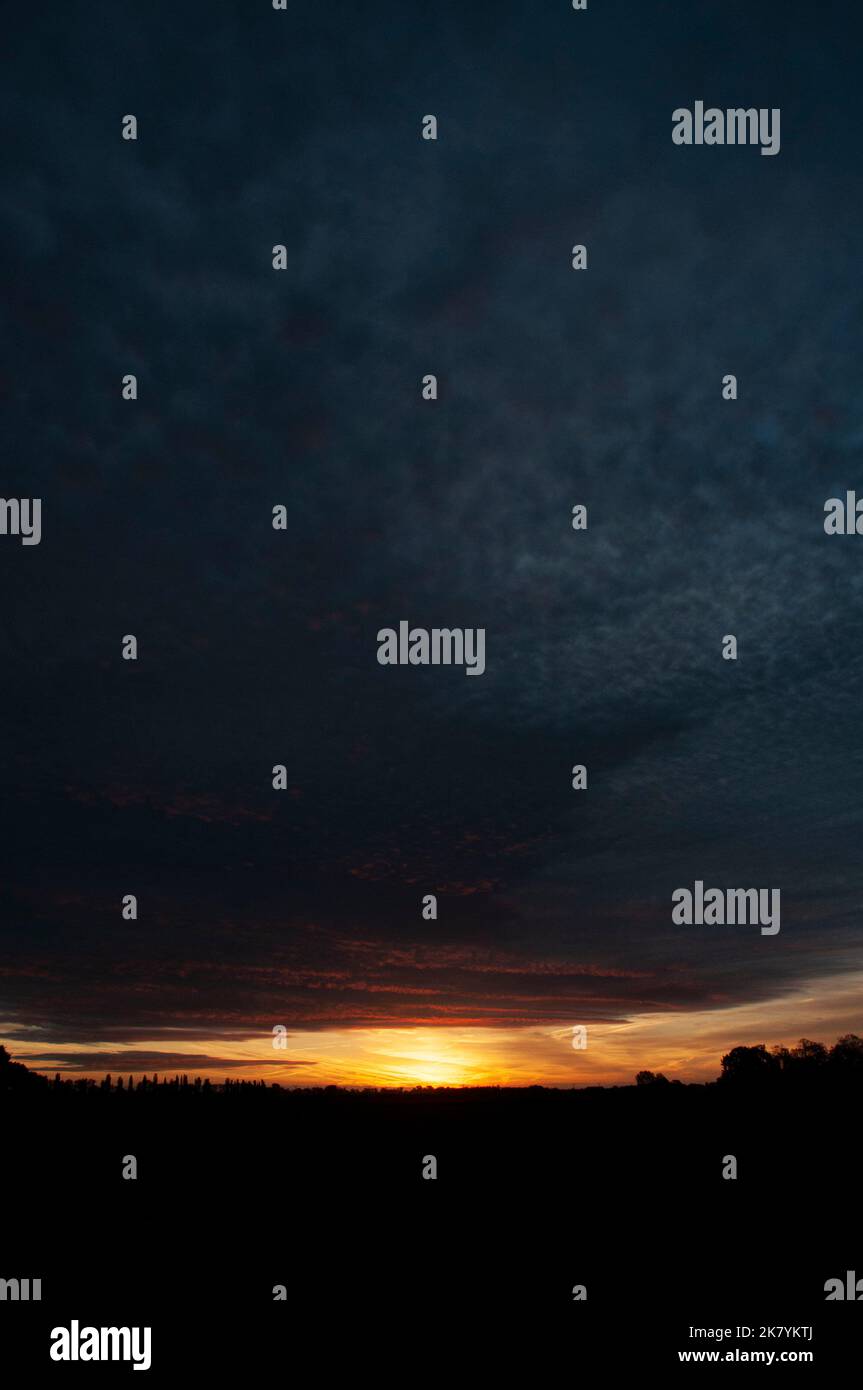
(537, 1192)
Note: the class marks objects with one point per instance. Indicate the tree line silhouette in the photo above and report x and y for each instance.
(757, 1065)
(743, 1067)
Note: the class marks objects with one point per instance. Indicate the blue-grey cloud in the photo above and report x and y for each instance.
(258, 647)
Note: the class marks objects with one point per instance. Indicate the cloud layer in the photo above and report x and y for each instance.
(258, 647)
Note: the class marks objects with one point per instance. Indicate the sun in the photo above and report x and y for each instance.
(439, 1073)
(428, 1070)
(403, 1059)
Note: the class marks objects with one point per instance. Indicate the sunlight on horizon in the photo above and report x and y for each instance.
(685, 1046)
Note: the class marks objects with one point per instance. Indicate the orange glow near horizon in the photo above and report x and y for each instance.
(684, 1046)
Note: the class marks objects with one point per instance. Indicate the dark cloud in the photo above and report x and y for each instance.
(164, 1063)
(258, 647)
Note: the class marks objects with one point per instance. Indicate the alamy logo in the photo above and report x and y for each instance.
(21, 516)
(718, 906)
(852, 1289)
(844, 518)
(102, 1344)
(438, 646)
(735, 126)
(23, 1289)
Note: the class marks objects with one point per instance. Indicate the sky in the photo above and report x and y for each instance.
(302, 908)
